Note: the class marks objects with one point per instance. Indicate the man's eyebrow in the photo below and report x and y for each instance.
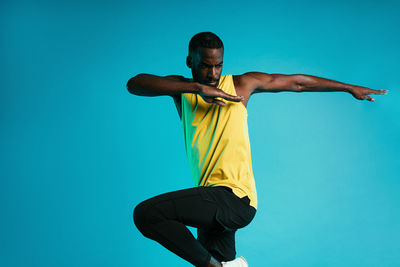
(208, 65)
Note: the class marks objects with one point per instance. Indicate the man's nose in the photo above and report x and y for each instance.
(212, 73)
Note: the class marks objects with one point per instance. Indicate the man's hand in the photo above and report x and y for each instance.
(210, 94)
(362, 93)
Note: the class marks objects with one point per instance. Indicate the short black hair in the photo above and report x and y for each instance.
(205, 40)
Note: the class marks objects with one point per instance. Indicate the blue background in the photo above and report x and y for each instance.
(78, 152)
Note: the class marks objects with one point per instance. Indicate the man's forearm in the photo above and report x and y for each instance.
(152, 85)
(304, 83)
(308, 83)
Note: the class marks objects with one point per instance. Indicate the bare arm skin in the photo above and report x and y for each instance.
(174, 85)
(257, 82)
(152, 85)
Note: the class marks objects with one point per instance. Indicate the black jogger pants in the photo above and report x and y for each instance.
(216, 212)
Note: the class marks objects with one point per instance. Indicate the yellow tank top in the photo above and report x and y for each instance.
(217, 142)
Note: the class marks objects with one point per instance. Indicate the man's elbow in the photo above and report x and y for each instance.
(301, 83)
(131, 85)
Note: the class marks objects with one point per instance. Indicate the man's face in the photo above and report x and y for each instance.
(206, 65)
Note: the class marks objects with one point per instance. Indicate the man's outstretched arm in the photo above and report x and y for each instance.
(263, 82)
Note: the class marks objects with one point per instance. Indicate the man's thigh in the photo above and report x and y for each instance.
(187, 206)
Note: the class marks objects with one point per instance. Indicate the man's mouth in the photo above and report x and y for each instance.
(212, 83)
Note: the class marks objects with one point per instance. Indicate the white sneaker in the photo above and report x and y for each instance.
(238, 262)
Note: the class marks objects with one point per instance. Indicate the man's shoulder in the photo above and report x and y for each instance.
(245, 76)
(251, 80)
(240, 80)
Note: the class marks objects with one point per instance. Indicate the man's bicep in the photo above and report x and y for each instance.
(264, 82)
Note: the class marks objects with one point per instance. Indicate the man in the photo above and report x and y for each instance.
(213, 112)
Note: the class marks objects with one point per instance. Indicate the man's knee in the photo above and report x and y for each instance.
(144, 215)
(140, 214)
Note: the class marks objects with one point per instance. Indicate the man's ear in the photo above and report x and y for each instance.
(189, 62)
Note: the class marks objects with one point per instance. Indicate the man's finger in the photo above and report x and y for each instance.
(231, 97)
(378, 92)
(369, 98)
(219, 102)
